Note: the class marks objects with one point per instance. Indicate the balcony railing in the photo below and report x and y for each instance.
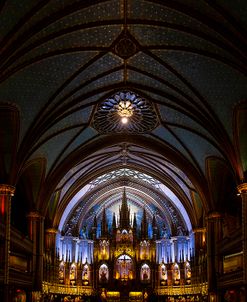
(56, 288)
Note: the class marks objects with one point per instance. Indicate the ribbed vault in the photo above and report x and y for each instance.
(62, 61)
(142, 192)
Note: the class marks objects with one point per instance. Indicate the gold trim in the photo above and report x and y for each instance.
(7, 190)
(214, 215)
(199, 230)
(242, 188)
(51, 231)
(34, 214)
(66, 289)
(183, 290)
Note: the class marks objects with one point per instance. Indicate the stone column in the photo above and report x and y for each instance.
(242, 189)
(6, 193)
(50, 250)
(214, 235)
(200, 243)
(50, 240)
(200, 238)
(36, 234)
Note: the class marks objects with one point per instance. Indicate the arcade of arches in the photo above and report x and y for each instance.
(123, 150)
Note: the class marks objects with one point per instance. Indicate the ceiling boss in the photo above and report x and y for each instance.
(125, 110)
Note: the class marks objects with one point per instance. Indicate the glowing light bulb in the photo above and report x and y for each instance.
(124, 120)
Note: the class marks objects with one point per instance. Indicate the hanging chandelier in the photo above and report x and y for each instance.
(125, 110)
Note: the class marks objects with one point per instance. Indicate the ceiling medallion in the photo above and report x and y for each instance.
(127, 112)
(125, 45)
(125, 48)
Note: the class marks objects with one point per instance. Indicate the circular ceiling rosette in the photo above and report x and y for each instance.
(107, 118)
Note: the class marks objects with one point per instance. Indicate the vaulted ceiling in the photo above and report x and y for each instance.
(63, 65)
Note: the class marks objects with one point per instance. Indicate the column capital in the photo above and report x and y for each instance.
(34, 214)
(214, 215)
(51, 231)
(199, 230)
(7, 190)
(242, 188)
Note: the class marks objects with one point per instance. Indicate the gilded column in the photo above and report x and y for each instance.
(50, 250)
(200, 238)
(200, 243)
(6, 193)
(214, 235)
(50, 240)
(36, 234)
(242, 189)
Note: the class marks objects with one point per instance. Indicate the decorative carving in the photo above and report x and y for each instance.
(242, 188)
(199, 230)
(7, 190)
(76, 217)
(51, 231)
(125, 48)
(108, 120)
(214, 216)
(34, 214)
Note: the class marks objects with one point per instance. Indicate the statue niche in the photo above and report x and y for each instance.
(145, 273)
(103, 274)
(124, 268)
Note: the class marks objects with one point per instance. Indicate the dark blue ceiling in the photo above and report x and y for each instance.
(60, 59)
